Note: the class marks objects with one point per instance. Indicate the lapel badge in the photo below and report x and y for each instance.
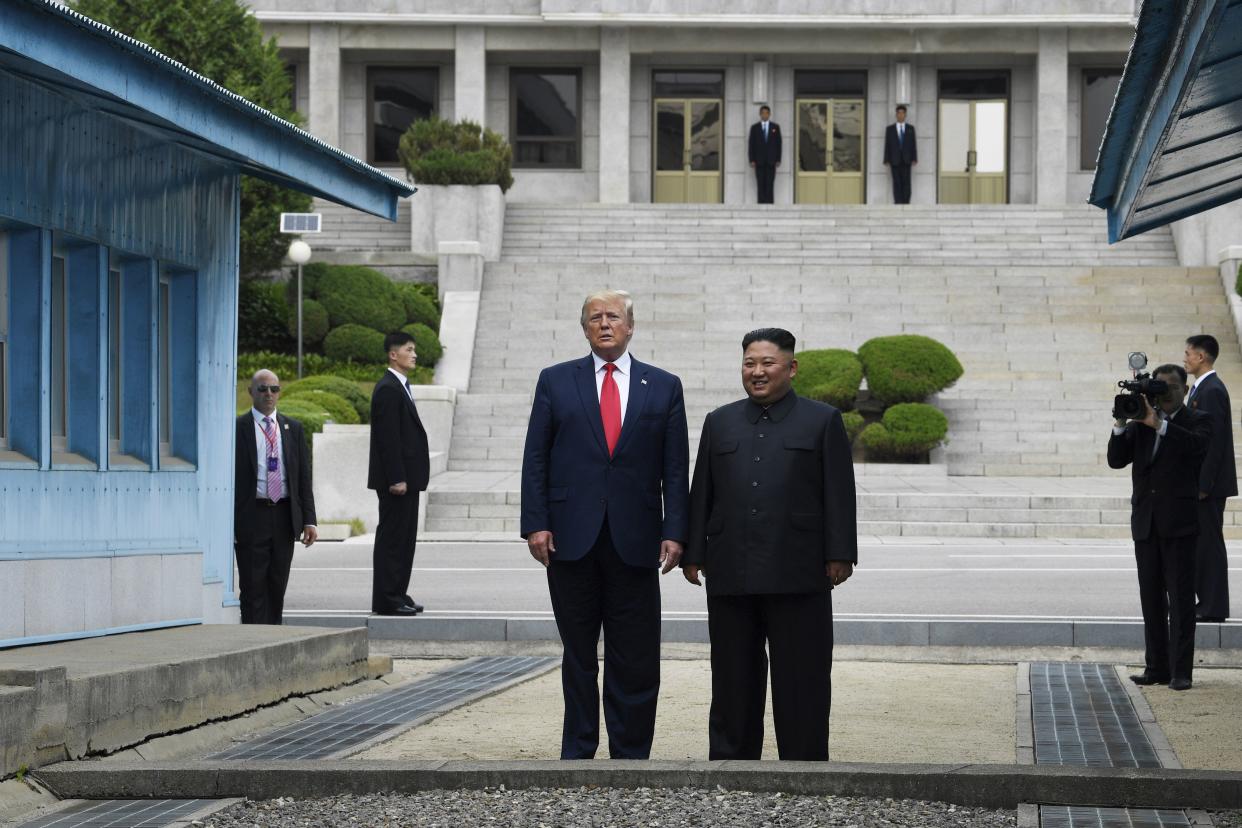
(643, 381)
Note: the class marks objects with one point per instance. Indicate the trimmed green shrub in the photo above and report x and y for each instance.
(1238, 284)
(419, 307)
(310, 415)
(422, 375)
(314, 323)
(337, 386)
(853, 424)
(906, 432)
(339, 409)
(286, 367)
(907, 368)
(355, 343)
(436, 151)
(355, 295)
(831, 375)
(261, 314)
(312, 274)
(426, 343)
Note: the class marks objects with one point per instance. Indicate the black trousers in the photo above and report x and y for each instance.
(797, 629)
(264, 551)
(600, 590)
(1166, 576)
(765, 177)
(901, 183)
(1211, 560)
(392, 558)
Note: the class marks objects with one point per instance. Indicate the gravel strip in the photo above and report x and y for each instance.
(604, 808)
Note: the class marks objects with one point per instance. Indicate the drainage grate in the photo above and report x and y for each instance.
(124, 813)
(1059, 816)
(351, 726)
(1082, 716)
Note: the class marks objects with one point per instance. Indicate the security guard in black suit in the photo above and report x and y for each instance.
(1165, 450)
(772, 526)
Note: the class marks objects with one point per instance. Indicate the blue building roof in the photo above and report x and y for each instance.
(1173, 145)
(104, 70)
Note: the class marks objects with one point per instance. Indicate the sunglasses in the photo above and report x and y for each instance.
(263, 389)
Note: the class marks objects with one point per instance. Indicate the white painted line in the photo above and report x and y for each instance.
(534, 568)
(1041, 557)
(693, 614)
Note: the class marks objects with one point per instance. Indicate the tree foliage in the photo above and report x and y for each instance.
(223, 41)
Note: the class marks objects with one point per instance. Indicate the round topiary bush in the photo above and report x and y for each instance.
(311, 416)
(355, 295)
(419, 307)
(343, 388)
(436, 151)
(853, 424)
(314, 322)
(426, 343)
(339, 409)
(907, 368)
(311, 275)
(354, 343)
(831, 375)
(907, 432)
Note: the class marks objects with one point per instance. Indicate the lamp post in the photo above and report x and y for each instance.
(299, 254)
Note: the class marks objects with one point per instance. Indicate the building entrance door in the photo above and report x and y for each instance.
(688, 148)
(973, 149)
(829, 163)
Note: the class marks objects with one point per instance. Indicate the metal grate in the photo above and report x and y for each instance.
(1060, 816)
(124, 813)
(351, 726)
(1082, 716)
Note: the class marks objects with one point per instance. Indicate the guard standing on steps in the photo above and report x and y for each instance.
(764, 150)
(901, 152)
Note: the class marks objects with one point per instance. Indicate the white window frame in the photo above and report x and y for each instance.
(60, 442)
(163, 375)
(4, 340)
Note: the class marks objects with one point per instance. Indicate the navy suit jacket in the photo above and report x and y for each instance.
(570, 484)
(900, 153)
(1219, 475)
(764, 153)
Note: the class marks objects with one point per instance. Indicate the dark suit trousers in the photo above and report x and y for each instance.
(797, 629)
(600, 590)
(765, 177)
(263, 561)
(1166, 575)
(1212, 562)
(901, 183)
(392, 558)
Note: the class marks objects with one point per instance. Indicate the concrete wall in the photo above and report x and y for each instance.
(1200, 239)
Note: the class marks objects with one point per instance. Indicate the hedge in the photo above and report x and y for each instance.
(309, 414)
(314, 322)
(312, 274)
(906, 432)
(261, 313)
(340, 409)
(426, 344)
(343, 388)
(907, 368)
(285, 366)
(853, 424)
(355, 295)
(436, 151)
(419, 307)
(831, 375)
(355, 343)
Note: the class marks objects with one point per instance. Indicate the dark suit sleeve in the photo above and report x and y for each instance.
(914, 144)
(700, 501)
(888, 146)
(676, 470)
(1194, 437)
(306, 493)
(1121, 447)
(780, 142)
(840, 503)
(386, 425)
(1215, 404)
(750, 146)
(535, 460)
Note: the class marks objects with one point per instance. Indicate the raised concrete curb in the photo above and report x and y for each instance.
(991, 786)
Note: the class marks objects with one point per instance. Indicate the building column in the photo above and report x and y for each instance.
(470, 75)
(614, 116)
(1051, 114)
(324, 118)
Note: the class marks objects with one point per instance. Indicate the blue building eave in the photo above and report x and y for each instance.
(1173, 144)
(109, 72)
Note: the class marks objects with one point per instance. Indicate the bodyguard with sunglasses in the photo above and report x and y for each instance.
(273, 503)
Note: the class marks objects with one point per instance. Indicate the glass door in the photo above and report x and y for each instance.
(688, 150)
(974, 149)
(830, 146)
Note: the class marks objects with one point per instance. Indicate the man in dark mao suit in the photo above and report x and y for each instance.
(772, 527)
(1165, 450)
(273, 502)
(605, 449)
(764, 150)
(1218, 479)
(399, 469)
(901, 152)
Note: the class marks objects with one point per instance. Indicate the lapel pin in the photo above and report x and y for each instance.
(644, 382)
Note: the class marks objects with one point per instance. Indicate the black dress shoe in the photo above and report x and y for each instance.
(410, 602)
(408, 612)
(1145, 678)
(1179, 684)
(1210, 619)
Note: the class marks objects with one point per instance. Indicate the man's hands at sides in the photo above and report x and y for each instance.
(670, 555)
(692, 573)
(839, 572)
(541, 546)
(398, 488)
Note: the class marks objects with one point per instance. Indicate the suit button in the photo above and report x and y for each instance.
(754, 483)
(754, 511)
(756, 459)
(761, 434)
(1153, 491)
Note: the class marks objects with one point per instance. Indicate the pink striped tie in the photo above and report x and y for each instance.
(274, 490)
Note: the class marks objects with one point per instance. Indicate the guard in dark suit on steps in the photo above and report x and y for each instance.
(273, 502)
(901, 152)
(764, 150)
(400, 468)
(1165, 451)
(1218, 479)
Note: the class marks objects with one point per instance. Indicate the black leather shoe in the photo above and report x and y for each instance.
(1145, 678)
(1209, 619)
(410, 602)
(408, 612)
(1179, 684)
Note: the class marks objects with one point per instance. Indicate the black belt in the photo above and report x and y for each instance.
(263, 501)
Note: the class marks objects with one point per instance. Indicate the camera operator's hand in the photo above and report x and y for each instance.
(1150, 419)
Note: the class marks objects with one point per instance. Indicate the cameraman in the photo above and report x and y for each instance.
(1166, 448)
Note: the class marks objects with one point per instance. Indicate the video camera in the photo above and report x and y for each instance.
(1129, 406)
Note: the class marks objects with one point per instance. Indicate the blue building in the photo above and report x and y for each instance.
(119, 206)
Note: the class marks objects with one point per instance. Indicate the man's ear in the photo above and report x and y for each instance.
(793, 367)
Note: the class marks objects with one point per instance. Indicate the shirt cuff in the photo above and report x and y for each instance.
(1118, 430)
(1164, 428)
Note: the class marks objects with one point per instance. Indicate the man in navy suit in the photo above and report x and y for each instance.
(764, 149)
(1218, 478)
(605, 449)
(900, 154)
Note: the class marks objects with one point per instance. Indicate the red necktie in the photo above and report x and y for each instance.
(610, 407)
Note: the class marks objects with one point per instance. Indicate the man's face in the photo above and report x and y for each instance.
(265, 391)
(1172, 400)
(901, 116)
(764, 114)
(767, 372)
(1194, 361)
(607, 328)
(403, 358)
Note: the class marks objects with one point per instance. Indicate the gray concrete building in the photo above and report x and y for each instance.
(640, 101)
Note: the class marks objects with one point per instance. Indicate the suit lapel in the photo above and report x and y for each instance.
(636, 403)
(590, 400)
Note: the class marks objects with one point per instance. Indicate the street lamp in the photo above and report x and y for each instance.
(299, 254)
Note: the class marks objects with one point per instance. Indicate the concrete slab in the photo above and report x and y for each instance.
(1002, 633)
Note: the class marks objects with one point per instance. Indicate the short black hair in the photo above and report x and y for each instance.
(1205, 343)
(901, 108)
(768, 108)
(779, 337)
(395, 340)
(1171, 368)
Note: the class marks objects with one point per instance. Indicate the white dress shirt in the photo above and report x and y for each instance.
(621, 377)
(405, 382)
(261, 456)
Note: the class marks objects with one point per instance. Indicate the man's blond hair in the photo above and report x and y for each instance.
(608, 297)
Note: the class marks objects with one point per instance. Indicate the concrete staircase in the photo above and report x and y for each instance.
(1040, 310)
